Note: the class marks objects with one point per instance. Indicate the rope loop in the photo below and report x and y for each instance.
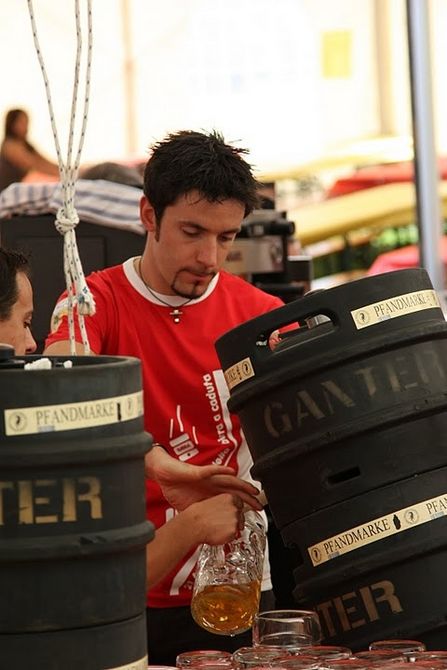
(67, 217)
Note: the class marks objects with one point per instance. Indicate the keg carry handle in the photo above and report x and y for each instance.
(251, 339)
(248, 349)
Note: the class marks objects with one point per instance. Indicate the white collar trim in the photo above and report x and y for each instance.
(174, 300)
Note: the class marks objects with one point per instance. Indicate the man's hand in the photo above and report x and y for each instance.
(183, 483)
(216, 520)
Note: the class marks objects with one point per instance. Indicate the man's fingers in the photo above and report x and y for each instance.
(227, 482)
(205, 471)
(250, 501)
(262, 498)
(238, 502)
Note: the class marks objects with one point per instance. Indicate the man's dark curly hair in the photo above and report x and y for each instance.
(11, 262)
(193, 161)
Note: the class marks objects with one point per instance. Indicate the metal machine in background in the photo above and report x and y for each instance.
(260, 255)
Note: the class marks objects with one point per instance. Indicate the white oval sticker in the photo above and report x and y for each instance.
(399, 305)
(73, 416)
(378, 529)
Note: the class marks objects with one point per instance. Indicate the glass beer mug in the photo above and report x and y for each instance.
(228, 580)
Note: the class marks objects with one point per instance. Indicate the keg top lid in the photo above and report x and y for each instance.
(7, 357)
(8, 360)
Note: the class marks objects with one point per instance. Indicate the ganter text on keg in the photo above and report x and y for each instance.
(42, 501)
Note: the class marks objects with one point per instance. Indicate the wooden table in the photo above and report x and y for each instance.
(377, 208)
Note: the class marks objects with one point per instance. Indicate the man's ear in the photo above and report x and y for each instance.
(147, 215)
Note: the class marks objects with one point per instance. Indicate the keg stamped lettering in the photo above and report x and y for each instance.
(42, 501)
(371, 386)
(358, 608)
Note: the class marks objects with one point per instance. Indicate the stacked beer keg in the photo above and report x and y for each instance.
(73, 529)
(346, 421)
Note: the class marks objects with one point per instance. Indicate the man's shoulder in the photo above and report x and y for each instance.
(107, 276)
(241, 289)
(227, 279)
(107, 287)
(238, 300)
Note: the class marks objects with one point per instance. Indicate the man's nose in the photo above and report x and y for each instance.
(207, 253)
(30, 343)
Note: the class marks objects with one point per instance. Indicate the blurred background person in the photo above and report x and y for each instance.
(129, 175)
(17, 156)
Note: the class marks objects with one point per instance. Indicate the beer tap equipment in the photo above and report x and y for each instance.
(260, 254)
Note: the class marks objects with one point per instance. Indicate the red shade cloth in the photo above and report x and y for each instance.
(406, 257)
(377, 175)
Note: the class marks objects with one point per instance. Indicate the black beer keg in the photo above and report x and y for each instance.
(403, 599)
(394, 536)
(115, 646)
(337, 416)
(368, 531)
(73, 528)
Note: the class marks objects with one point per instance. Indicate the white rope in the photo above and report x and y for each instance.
(67, 218)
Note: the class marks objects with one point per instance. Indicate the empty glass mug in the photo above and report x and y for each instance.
(404, 646)
(375, 656)
(290, 629)
(228, 579)
(190, 659)
(326, 652)
(253, 657)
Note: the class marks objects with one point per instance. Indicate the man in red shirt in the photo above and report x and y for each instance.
(168, 307)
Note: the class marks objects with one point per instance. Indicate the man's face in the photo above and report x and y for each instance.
(16, 330)
(191, 243)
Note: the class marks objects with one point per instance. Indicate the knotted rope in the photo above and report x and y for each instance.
(67, 217)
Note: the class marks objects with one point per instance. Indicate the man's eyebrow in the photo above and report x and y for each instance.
(231, 231)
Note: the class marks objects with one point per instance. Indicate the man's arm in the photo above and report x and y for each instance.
(63, 348)
(183, 483)
(18, 154)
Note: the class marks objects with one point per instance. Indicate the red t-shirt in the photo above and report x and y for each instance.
(185, 392)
